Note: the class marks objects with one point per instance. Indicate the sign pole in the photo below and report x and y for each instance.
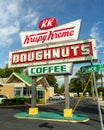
(66, 83)
(33, 92)
(33, 110)
(67, 110)
(99, 109)
(92, 88)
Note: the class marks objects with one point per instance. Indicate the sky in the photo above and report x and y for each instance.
(25, 15)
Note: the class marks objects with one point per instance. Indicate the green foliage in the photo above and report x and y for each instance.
(19, 101)
(52, 82)
(78, 83)
(8, 72)
(61, 89)
(27, 101)
(13, 101)
(18, 70)
(5, 72)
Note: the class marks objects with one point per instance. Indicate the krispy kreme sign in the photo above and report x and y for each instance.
(47, 23)
(56, 69)
(62, 33)
(76, 51)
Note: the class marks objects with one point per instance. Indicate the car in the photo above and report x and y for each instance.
(3, 97)
(57, 97)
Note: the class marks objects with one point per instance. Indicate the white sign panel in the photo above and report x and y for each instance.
(69, 52)
(56, 69)
(65, 32)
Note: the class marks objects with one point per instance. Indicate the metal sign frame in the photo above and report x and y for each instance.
(62, 33)
(57, 69)
(92, 68)
(68, 52)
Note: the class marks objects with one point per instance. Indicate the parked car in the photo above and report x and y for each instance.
(3, 97)
(57, 97)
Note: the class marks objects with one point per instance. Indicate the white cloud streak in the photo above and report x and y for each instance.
(97, 31)
(13, 16)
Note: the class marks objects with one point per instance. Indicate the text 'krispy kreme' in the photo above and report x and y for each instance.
(47, 23)
(51, 35)
(65, 32)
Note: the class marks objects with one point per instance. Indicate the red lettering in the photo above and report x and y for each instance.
(52, 53)
(48, 23)
(45, 36)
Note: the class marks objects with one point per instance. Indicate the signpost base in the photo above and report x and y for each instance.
(67, 110)
(33, 111)
(68, 113)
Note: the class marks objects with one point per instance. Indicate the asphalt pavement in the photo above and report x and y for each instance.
(87, 106)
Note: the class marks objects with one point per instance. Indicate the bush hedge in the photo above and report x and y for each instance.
(13, 101)
(18, 101)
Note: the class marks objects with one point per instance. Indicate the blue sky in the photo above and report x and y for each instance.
(24, 15)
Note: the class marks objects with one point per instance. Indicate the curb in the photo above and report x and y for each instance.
(51, 116)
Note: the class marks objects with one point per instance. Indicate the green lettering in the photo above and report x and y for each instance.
(57, 69)
(51, 68)
(33, 71)
(45, 69)
(63, 68)
(39, 70)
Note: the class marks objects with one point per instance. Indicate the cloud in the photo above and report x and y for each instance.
(30, 19)
(9, 11)
(14, 18)
(97, 31)
(6, 34)
(60, 79)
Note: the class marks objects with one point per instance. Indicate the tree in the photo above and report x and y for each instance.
(75, 85)
(78, 83)
(4, 73)
(61, 89)
(52, 82)
(8, 72)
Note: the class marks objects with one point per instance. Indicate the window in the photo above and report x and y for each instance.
(26, 91)
(18, 92)
(40, 94)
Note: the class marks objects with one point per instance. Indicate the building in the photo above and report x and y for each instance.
(19, 85)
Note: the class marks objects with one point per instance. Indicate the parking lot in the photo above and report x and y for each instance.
(87, 106)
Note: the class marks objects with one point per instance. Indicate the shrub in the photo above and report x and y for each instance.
(19, 101)
(13, 101)
(27, 101)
